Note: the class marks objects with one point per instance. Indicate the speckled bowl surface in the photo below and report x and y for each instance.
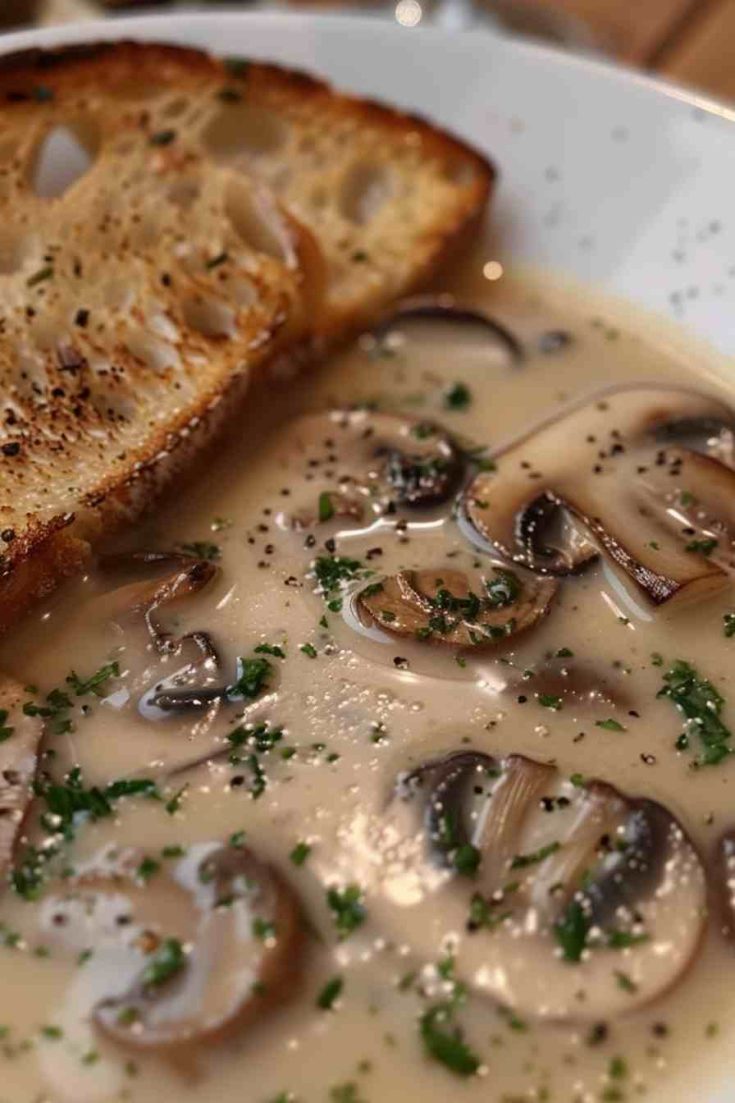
(607, 176)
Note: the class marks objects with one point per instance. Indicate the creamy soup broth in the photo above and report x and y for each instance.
(357, 706)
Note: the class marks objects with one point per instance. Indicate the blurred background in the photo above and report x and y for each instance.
(692, 41)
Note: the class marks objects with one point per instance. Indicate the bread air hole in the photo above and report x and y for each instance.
(365, 189)
(209, 317)
(257, 221)
(243, 130)
(64, 155)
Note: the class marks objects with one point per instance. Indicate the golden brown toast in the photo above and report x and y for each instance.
(145, 277)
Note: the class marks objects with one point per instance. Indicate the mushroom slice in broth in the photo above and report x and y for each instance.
(444, 310)
(367, 459)
(176, 577)
(444, 607)
(547, 892)
(621, 465)
(192, 956)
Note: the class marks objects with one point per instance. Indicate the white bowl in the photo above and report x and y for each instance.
(607, 176)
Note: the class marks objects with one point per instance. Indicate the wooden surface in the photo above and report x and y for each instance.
(692, 41)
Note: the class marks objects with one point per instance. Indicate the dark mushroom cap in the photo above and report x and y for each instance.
(443, 607)
(613, 464)
(369, 458)
(558, 887)
(443, 309)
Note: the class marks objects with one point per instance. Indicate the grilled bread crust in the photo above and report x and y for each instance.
(227, 217)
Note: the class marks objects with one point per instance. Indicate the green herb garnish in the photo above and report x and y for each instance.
(201, 549)
(330, 993)
(252, 678)
(522, 861)
(610, 725)
(348, 910)
(326, 509)
(444, 1042)
(300, 853)
(701, 704)
(95, 683)
(571, 932)
(702, 547)
(458, 397)
(168, 960)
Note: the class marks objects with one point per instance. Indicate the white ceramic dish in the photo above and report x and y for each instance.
(607, 177)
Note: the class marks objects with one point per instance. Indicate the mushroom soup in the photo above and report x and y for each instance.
(392, 758)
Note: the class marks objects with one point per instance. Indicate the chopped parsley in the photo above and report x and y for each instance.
(300, 853)
(201, 549)
(702, 547)
(504, 589)
(458, 397)
(610, 725)
(701, 704)
(147, 869)
(623, 940)
(348, 910)
(444, 1042)
(65, 802)
(332, 571)
(96, 682)
(326, 509)
(309, 650)
(522, 861)
(571, 932)
(330, 993)
(173, 804)
(625, 983)
(466, 859)
(252, 678)
(270, 649)
(550, 701)
(729, 625)
(168, 960)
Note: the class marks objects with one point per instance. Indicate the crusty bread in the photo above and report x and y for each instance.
(136, 304)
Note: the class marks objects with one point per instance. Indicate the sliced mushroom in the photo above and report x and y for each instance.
(723, 880)
(184, 576)
(330, 505)
(560, 889)
(371, 457)
(176, 577)
(613, 464)
(571, 681)
(190, 957)
(444, 309)
(441, 607)
(20, 738)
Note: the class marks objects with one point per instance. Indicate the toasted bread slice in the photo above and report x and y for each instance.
(140, 291)
(383, 192)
